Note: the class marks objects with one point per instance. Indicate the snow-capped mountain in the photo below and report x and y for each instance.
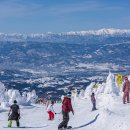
(70, 59)
(51, 37)
(105, 47)
(102, 32)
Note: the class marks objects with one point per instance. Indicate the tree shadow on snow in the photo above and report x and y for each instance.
(87, 123)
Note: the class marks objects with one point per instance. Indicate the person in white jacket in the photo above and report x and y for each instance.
(51, 111)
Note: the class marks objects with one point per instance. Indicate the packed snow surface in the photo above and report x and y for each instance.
(113, 118)
(112, 114)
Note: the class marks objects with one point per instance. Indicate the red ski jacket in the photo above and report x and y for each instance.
(66, 105)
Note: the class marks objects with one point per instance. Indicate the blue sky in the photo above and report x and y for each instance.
(37, 16)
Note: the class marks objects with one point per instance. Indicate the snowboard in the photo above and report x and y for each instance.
(15, 127)
(69, 127)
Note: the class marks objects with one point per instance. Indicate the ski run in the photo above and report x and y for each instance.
(111, 113)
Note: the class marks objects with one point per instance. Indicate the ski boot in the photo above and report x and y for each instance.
(10, 123)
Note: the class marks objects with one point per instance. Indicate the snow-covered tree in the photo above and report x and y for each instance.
(110, 86)
(7, 97)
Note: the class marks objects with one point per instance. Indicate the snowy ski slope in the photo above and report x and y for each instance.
(112, 114)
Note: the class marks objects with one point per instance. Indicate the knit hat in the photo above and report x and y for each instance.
(69, 94)
(93, 93)
(52, 102)
(15, 101)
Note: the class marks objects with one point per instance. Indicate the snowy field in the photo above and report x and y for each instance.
(112, 114)
(115, 117)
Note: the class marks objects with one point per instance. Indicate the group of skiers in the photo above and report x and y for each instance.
(66, 108)
(14, 113)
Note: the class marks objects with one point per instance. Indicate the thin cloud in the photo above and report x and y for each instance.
(88, 6)
(76, 7)
(19, 8)
(15, 8)
(125, 19)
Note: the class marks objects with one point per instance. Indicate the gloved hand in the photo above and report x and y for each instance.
(8, 114)
(55, 113)
(73, 112)
(19, 116)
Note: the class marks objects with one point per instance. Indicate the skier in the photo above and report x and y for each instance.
(51, 111)
(93, 100)
(14, 114)
(66, 108)
(48, 102)
(126, 90)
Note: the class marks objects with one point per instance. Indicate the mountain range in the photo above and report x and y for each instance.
(71, 56)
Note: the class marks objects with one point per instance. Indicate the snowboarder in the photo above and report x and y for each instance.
(14, 114)
(66, 108)
(51, 111)
(93, 100)
(126, 90)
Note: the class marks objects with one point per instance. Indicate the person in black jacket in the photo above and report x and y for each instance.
(14, 114)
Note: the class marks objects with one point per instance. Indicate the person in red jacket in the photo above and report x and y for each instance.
(126, 90)
(66, 108)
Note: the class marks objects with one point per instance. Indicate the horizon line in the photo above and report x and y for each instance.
(49, 32)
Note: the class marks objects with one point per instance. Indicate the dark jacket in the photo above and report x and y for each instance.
(93, 100)
(14, 115)
(66, 105)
